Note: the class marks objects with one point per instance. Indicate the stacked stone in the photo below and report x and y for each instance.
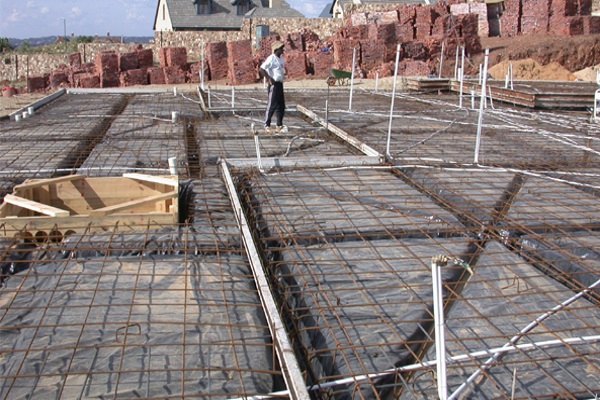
(535, 17)
(296, 65)
(74, 60)
(405, 28)
(566, 18)
(59, 78)
(107, 66)
(216, 57)
(426, 17)
(242, 68)
(510, 18)
(373, 53)
(319, 62)
(343, 53)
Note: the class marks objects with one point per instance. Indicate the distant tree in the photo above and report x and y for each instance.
(83, 39)
(24, 47)
(5, 45)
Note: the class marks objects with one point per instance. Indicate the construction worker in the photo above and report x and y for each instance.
(273, 70)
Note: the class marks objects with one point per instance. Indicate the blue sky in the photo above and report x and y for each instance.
(22, 19)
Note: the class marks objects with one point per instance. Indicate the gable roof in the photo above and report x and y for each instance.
(223, 15)
(326, 13)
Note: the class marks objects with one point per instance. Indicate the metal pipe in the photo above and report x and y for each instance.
(389, 137)
(481, 107)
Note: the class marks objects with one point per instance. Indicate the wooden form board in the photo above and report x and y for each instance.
(77, 203)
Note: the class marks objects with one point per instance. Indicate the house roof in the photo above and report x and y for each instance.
(326, 13)
(223, 16)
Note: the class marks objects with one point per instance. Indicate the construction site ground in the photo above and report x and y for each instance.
(302, 264)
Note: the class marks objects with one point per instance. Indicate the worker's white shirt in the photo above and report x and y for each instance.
(275, 67)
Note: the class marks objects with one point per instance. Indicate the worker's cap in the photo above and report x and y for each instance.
(276, 45)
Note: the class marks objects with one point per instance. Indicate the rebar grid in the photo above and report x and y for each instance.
(172, 311)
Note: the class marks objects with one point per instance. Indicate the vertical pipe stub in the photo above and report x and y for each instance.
(173, 165)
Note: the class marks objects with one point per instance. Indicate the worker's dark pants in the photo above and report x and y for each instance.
(276, 104)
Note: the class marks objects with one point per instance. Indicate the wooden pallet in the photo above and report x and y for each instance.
(49, 209)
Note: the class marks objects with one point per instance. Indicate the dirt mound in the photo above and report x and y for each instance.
(553, 55)
(529, 69)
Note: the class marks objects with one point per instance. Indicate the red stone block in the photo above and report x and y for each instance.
(469, 25)
(176, 57)
(423, 30)
(216, 57)
(74, 60)
(296, 65)
(193, 74)
(405, 31)
(59, 78)
(156, 76)
(356, 32)
(383, 71)
(415, 50)
(264, 46)
(134, 77)
(343, 53)
(128, 61)
(566, 26)
(407, 13)
(293, 43)
(531, 25)
(564, 8)
(89, 81)
(311, 40)
(241, 66)
(107, 62)
(109, 79)
(145, 58)
(512, 6)
(585, 7)
(373, 54)
(38, 83)
(242, 71)
(509, 23)
(162, 57)
(174, 75)
(415, 68)
(591, 25)
(319, 63)
(386, 33)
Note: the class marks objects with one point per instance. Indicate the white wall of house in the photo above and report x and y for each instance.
(163, 21)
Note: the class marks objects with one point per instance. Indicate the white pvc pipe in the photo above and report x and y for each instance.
(481, 106)
(233, 97)
(389, 137)
(202, 69)
(518, 336)
(456, 64)
(257, 145)
(376, 81)
(352, 79)
(441, 61)
(440, 337)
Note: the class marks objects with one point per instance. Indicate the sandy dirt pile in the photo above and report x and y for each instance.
(529, 69)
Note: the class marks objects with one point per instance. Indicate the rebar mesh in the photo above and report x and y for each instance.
(172, 310)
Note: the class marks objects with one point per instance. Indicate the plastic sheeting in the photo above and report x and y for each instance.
(134, 327)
